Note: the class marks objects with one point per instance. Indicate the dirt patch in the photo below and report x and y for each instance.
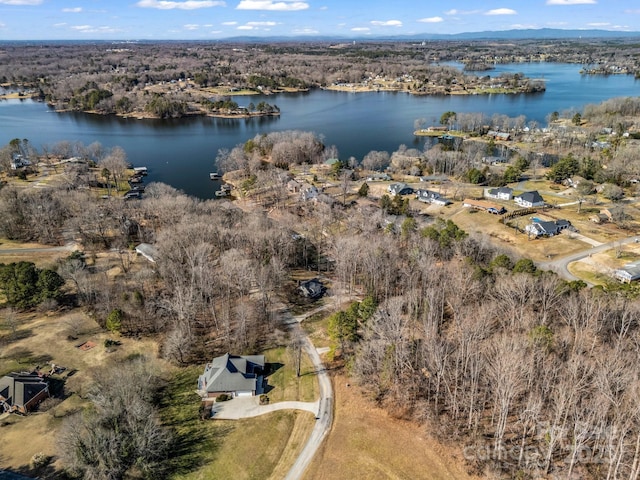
(365, 442)
(88, 345)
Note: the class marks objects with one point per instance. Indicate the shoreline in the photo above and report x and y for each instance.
(148, 116)
(475, 91)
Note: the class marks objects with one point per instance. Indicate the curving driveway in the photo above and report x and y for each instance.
(560, 265)
(324, 414)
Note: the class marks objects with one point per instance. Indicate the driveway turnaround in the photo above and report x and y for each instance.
(560, 265)
(246, 407)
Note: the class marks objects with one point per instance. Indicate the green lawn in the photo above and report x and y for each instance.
(286, 385)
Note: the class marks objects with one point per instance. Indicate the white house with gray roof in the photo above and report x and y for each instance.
(629, 273)
(501, 193)
(529, 199)
(238, 376)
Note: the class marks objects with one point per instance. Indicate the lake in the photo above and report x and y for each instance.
(182, 152)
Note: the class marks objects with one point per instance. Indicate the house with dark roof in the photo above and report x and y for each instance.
(238, 376)
(22, 392)
(429, 196)
(529, 199)
(540, 228)
(312, 288)
(309, 193)
(399, 189)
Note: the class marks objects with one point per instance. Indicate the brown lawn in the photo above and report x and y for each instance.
(39, 340)
(366, 443)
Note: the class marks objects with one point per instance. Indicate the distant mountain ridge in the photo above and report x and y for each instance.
(514, 34)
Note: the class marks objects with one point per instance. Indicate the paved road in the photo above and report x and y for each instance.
(324, 415)
(560, 265)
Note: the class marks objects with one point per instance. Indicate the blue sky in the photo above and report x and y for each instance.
(215, 19)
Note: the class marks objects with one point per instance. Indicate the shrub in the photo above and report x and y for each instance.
(39, 460)
(223, 397)
(114, 320)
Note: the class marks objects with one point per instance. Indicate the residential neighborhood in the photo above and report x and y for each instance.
(460, 305)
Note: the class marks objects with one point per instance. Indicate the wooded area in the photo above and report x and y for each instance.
(533, 375)
(169, 79)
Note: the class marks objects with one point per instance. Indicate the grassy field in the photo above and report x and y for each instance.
(34, 339)
(365, 443)
(597, 267)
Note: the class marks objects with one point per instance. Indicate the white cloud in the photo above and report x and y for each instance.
(431, 20)
(21, 2)
(215, 32)
(324, 8)
(92, 29)
(229, 24)
(388, 23)
(286, 5)
(186, 5)
(557, 24)
(571, 2)
(360, 29)
(501, 11)
(191, 26)
(521, 26)
(2, 25)
(305, 31)
(262, 24)
(632, 12)
(72, 10)
(58, 25)
(598, 24)
(245, 27)
(453, 11)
